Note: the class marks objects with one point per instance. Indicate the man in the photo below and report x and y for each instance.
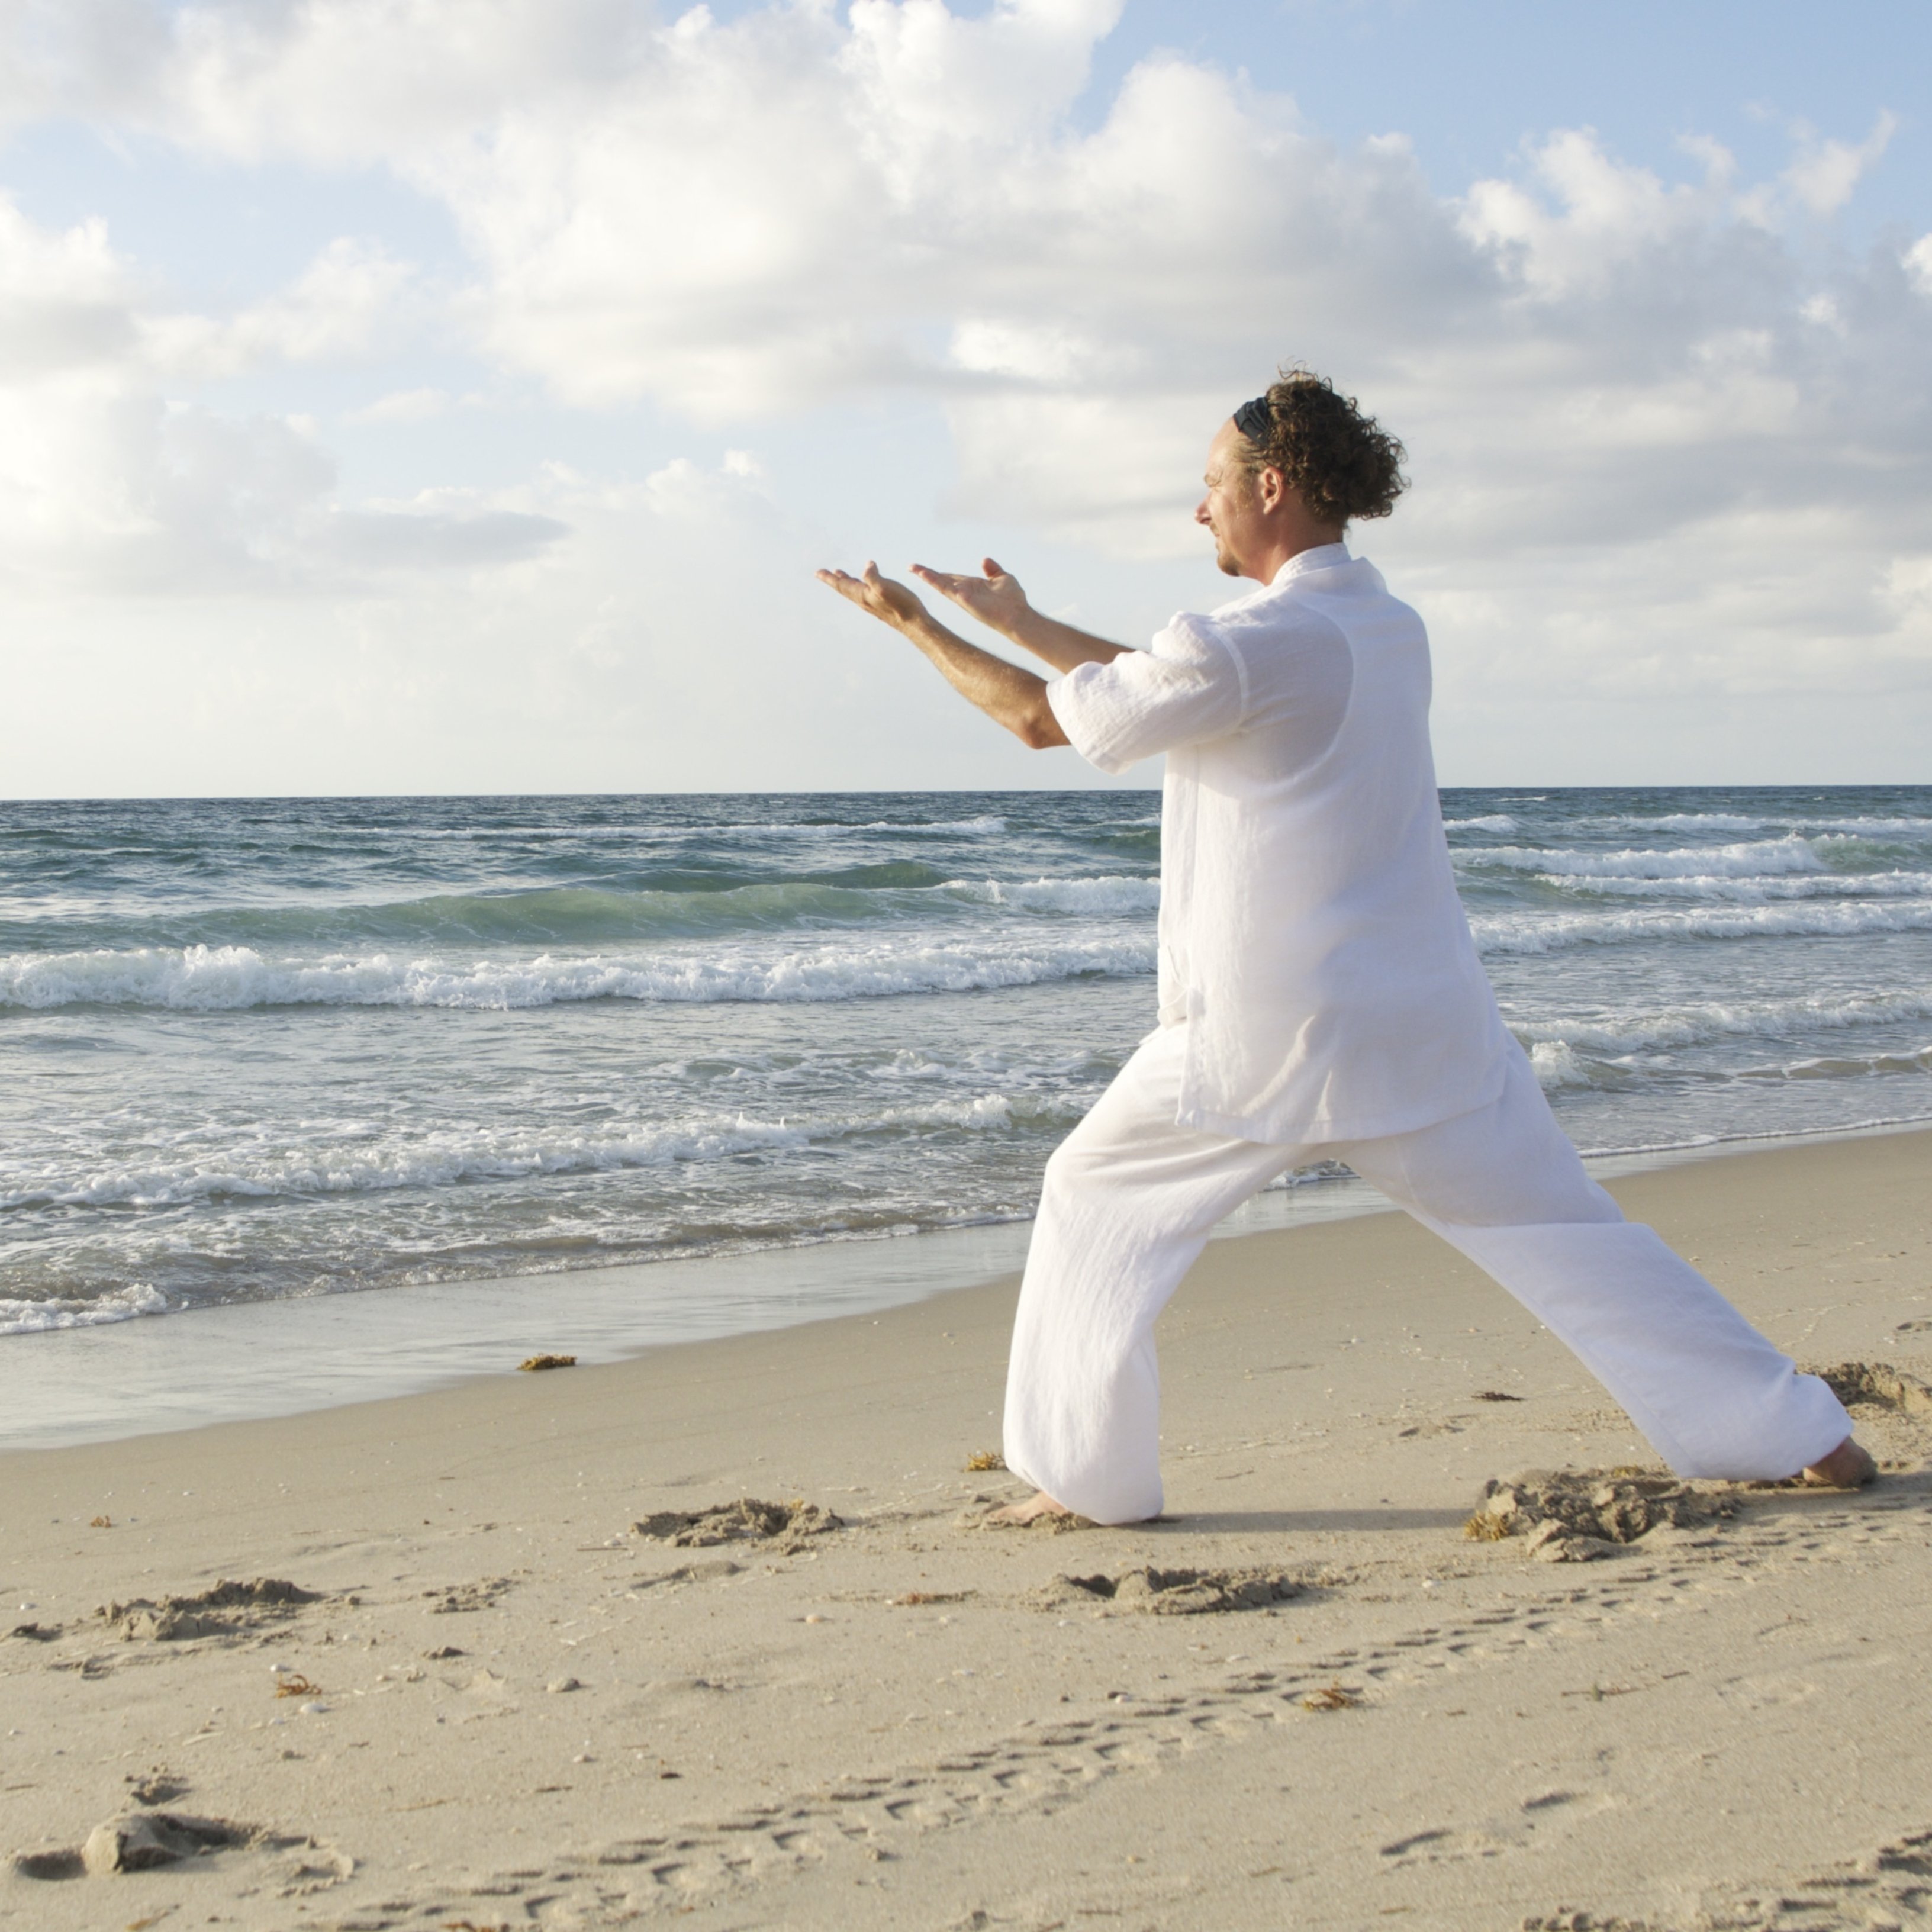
(1320, 994)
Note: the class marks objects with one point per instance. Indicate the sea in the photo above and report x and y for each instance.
(625, 1068)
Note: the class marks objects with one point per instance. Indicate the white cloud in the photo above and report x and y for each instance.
(1821, 177)
(1679, 445)
(1919, 264)
(406, 406)
(107, 488)
(345, 306)
(1584, 219)
(641, 654)
(109, 482)
(64, 299)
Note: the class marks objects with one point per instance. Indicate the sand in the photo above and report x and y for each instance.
(525, 1679)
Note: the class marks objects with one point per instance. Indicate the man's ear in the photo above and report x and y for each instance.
(1271, 486)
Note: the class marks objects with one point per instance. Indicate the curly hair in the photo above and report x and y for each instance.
(1341, 463)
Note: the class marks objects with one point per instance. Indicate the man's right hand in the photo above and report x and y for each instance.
(881, 597)
(993, 597)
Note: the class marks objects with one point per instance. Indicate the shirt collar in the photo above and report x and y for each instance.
(1323, 557)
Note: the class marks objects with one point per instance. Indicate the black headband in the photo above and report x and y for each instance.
(1255, 420)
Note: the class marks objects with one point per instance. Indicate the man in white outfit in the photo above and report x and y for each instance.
(1320, 994)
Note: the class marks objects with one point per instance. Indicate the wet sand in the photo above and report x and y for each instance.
(1305, 1698)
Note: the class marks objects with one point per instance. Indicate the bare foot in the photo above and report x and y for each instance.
(1849, 1466)
(1035, 1507)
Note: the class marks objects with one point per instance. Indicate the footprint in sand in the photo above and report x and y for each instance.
(144, 1841)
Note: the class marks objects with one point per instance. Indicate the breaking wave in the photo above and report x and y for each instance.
(1761, 859)
(1519, 933)
(119, 1304)
(251, 1172)
(1690, 1024)
(203, 978)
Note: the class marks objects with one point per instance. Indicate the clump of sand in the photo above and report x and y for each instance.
(1176, 1593)
(220, 1611)
(1877, 1385)
(747, 1520)
(1571, 1516)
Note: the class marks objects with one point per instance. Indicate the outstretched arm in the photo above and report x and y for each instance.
(995, 598)
(1008, 695)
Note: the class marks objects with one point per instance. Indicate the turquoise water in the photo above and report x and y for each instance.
(259, 1050)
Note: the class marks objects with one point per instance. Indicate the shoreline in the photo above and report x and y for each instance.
(514, 1697)
(239, 1361)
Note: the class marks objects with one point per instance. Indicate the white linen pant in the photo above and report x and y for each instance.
(1129, 1199)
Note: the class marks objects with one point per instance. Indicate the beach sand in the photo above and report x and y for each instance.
(505, 1704)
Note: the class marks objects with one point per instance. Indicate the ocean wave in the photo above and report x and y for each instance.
(201, 979)
(1748, 891)
(1693, 1024)
(1802, 822)
(1855, 1066)
(1520, 933)
(1683, 821)
(1090, 896)
(1495, 821)
(1760, 859)
(121, 1304)
(1866, 828)
(1558, 1066)
(676, 906)
(587, 913)
(251, 1172)
(985, 825)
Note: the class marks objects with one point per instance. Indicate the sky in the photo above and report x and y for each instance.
(411, 396)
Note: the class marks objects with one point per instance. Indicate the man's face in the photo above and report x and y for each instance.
(1231, 509)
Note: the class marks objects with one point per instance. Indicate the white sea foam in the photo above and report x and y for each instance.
(117, 1304)
(1693, 1023)
(205, 978)
(1864, 828)
(1090, 896)
(1749, 891)
(1557, 1065)
(588, 916)
(1533, 933)
(1675, 821)
(251, 1171)
(983, 827)
(1727, 821)
(1496, 821)
(1760, 859)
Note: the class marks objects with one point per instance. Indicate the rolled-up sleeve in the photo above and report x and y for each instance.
(1188, 687)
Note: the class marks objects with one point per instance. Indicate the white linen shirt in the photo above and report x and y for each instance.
(1311, 937)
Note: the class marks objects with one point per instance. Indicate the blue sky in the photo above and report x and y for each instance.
(426, 397)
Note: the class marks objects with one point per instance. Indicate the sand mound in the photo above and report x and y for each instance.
(462, 1599)
(1572, 1516)
(747, 1520)
(217, 1612)
(1877, 1385)
(1177, 1593)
